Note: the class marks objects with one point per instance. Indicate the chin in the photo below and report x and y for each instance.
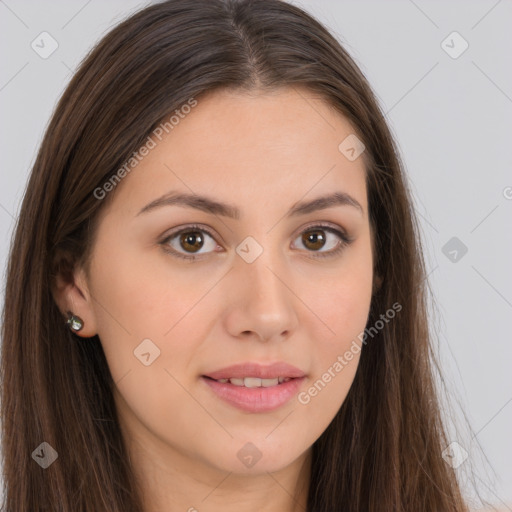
(254, 458)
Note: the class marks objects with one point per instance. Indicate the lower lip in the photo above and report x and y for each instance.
(255, 399)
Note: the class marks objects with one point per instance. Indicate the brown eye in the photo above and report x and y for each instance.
(191, 239)
(317, 238)
(314, 239)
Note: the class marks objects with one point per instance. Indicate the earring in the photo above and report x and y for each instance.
(74, 322)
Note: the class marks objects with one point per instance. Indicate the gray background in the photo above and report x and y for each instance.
(452, 120)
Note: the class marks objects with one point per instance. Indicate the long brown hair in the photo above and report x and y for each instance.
(382, 451)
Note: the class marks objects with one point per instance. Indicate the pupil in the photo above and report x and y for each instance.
(192, 238)
(316, 238)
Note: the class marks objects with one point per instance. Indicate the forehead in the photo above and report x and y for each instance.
(245, 147)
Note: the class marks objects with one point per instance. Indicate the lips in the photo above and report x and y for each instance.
(248, 374)
(255, 388)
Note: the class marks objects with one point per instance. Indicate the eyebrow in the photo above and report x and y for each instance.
(210, 205)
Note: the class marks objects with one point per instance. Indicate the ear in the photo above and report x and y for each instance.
(70, 291)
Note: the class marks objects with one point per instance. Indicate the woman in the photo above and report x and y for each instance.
(223, 281)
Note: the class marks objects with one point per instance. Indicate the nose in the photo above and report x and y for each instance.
(262, 303)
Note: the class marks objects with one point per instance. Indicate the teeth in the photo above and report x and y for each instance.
(255, 382)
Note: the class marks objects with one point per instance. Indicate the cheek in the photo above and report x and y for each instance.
(147, 324)
(341, 298)
(336, 358)
(342, 303)
(139, 295)
(135, 301)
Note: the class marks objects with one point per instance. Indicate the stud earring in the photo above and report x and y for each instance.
(74, 322)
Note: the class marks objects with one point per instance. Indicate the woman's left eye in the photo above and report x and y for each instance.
(320, 237)
(195, 238)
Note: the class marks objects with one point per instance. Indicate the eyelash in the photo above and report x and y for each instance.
(345, 241)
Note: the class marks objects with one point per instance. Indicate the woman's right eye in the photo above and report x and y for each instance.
(191, 237)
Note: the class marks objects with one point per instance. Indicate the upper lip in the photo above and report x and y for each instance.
(252, 369)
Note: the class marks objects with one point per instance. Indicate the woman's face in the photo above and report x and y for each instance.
(285, 280)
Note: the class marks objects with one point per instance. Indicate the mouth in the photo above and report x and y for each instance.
(252, 382)
(253, 387)
(250, 373)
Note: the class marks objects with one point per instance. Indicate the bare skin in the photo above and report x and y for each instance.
(262, 153)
